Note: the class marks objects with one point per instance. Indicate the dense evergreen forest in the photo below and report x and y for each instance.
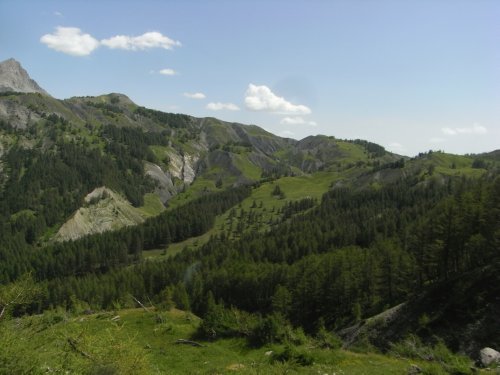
(351, 257)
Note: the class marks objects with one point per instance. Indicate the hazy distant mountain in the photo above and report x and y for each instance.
(14, 78)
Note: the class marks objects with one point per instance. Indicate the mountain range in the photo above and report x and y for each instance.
(106, 203)
(202, 151)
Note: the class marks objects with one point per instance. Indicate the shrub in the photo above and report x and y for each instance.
(268, 330)
(292, 354)
(412, 347)
(274, 328)
(327, 340)
(221, 322)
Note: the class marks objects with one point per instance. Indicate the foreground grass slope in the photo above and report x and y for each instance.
(136, 341)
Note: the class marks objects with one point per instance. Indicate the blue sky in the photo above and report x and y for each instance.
(410, 75)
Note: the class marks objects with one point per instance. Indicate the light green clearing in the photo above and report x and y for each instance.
(152, 205)
(266, 210)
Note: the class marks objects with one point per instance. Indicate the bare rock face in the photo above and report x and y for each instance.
(103, 210)
(183, 166)
(14, 78)
(188, 172)
(19, 116)
(165, 187)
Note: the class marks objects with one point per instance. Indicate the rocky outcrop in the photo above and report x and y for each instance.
(165, 187)
(14, 78)
(104, 210)
(188, 169)
(17, 115)
(183, 167)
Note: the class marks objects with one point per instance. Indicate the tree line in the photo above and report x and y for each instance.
(354, 255)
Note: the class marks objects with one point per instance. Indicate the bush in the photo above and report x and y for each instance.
(275, 328)
(268, 330)
(52, 317)
(412, 347)
(292, 354)
(327, 340)
(220, 322)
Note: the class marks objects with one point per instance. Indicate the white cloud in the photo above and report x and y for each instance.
(261, 98)
(58, 14)
(297, 121)
(168, 72)
(70, 40)
(195, 95)
(474, 129)
(222, 106)
(148, 40)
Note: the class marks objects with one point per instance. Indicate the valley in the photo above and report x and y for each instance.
(124, 229)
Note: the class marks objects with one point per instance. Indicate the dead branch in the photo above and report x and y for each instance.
(140, 304)
(188, 342)
(151, 303)
(72, 343)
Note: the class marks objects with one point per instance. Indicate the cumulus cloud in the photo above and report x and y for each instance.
(297, 121)
(168, 72)
(474, 129)
(148, 40)
(261, 98)
(70, 40)
(195, 95)
(222, 106)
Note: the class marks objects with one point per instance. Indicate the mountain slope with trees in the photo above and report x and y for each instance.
(289, 238)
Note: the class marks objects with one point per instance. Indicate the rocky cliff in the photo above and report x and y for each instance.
(14, 78)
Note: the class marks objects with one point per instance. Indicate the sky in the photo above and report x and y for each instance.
(410, 75)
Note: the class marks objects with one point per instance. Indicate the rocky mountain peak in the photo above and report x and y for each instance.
(13, 77)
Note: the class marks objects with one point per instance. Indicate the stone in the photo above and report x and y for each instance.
(488, 356)
(414, 369)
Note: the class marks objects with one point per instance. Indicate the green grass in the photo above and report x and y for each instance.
(152, 205)
(355, 152)
(265, 208)
(135, 341)
(199, 186)
(454, 165)
(161, 153)
(246, 167)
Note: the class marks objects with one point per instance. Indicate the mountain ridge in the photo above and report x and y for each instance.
(181, 154)
(14, 78)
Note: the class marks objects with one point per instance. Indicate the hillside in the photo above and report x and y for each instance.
(463, 311)
(162, 153)
(273, 243)
(135, 341)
